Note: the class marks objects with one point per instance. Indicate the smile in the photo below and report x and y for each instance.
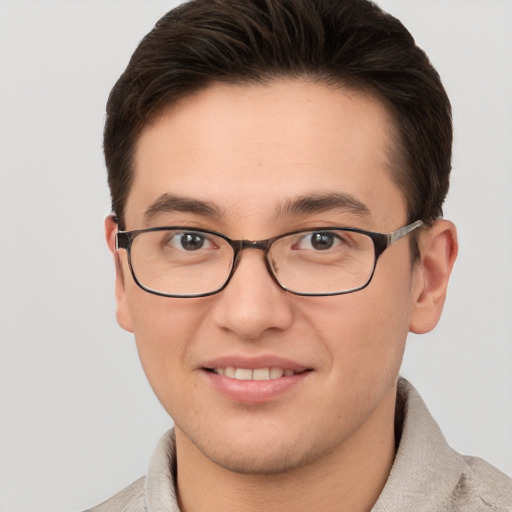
(256, 374)
(255, 381)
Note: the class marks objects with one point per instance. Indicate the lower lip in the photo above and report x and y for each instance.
(254, 391)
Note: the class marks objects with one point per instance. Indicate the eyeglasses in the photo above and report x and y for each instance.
(183, 262)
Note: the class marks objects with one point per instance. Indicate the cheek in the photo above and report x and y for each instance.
(163, 328)
(388, 317)
(360, 329)
(365, 332)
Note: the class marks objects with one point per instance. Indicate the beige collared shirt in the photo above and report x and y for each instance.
(427, 475)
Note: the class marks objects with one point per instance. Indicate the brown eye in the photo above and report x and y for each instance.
(322, 241)
(319, 241)
(192, 241)
(189, 242)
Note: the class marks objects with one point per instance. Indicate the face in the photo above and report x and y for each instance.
(249, 151)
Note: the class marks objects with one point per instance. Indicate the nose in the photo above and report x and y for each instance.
(252, 303)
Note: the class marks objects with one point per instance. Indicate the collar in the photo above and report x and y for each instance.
(427, 474)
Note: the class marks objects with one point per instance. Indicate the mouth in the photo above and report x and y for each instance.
(257, 374)
(255, 380)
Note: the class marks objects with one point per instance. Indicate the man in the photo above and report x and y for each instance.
(277, 171)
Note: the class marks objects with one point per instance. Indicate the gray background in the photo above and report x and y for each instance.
(77, 418)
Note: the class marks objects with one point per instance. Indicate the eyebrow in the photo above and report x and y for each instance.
(315, 203)
(171, 203)
(318, 203)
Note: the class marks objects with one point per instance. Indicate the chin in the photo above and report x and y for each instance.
(260, 456)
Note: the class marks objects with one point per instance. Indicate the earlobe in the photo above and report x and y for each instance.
(122, 310)
(438, 248)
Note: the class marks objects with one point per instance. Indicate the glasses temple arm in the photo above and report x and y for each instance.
(401, 232)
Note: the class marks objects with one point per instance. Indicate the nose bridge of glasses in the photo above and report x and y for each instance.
(239, 245)
(260, 245)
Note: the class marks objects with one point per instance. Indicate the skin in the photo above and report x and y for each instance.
(248, 150)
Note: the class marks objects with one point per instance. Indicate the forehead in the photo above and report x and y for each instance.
(251, 149)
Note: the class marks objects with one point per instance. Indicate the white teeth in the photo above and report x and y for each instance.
(276, 373)
(257, 374)
(261, 374)
(243, 374)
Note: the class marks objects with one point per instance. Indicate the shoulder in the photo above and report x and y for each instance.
(130, 499)
(485, 486)
(430, 476)
(155, 491)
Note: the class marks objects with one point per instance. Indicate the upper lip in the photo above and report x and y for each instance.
(253, 363)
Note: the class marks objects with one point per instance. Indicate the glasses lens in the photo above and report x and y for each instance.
(323, 262)
(179, 262)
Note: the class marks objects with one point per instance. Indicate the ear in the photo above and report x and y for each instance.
(438, 247)
(122, 309)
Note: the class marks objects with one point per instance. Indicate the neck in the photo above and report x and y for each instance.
(349, 479)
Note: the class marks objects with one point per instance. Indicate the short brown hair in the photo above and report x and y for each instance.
(350, 43)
